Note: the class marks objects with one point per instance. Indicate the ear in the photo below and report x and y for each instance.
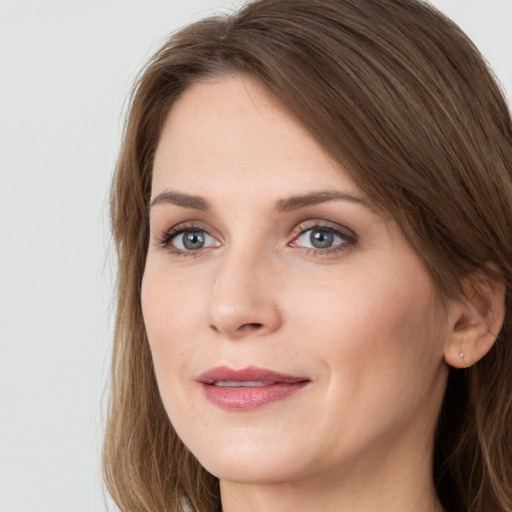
(476, 321)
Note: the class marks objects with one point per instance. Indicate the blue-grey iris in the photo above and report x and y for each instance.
(321, 238)
(193, 240)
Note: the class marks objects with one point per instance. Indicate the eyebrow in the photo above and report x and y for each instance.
(297, 202)
(180, 199)
(282, 205)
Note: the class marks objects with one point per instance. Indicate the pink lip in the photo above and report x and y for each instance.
(277, 386)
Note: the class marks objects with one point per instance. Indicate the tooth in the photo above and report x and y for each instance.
(247, 383)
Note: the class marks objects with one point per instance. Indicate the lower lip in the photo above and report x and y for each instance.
(245, 398)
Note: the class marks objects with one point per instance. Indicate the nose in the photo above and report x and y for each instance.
(243, 300)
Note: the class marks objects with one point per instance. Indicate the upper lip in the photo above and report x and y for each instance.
(251, 373)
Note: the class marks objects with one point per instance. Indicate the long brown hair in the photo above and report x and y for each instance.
(399, 96)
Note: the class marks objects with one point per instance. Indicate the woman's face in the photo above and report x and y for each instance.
(294, 331)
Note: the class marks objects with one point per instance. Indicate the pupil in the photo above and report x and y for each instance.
(321, 239)
(193, 240)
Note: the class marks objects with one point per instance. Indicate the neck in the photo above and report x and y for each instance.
(399, 482)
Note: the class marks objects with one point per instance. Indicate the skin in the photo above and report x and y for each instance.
(361, 320)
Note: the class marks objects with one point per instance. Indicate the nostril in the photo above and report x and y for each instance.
(251, 326)
(244, 328)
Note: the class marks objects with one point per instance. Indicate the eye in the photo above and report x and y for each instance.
(192, 240)
(323, 239)
(187, 240)
(319, 238)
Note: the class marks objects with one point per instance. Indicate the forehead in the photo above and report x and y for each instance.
(235, 129)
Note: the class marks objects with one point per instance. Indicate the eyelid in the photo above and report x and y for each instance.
(348, 237)
(327, 225)
(166, 236)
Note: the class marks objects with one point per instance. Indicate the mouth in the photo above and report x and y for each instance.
(247, 384)
(248, 388)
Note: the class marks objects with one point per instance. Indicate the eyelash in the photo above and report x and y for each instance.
(167, 237)
(348, 237)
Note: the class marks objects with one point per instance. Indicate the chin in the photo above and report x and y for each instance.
(244, 469)
(250, 461)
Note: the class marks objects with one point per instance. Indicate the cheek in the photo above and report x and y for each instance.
(376, 344)
(170, 313)
(373, 327)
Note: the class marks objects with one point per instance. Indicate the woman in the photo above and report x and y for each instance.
(312, 209)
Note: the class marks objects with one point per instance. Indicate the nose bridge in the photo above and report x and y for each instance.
(242, 300)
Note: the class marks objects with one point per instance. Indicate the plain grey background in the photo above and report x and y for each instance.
(66, 68)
